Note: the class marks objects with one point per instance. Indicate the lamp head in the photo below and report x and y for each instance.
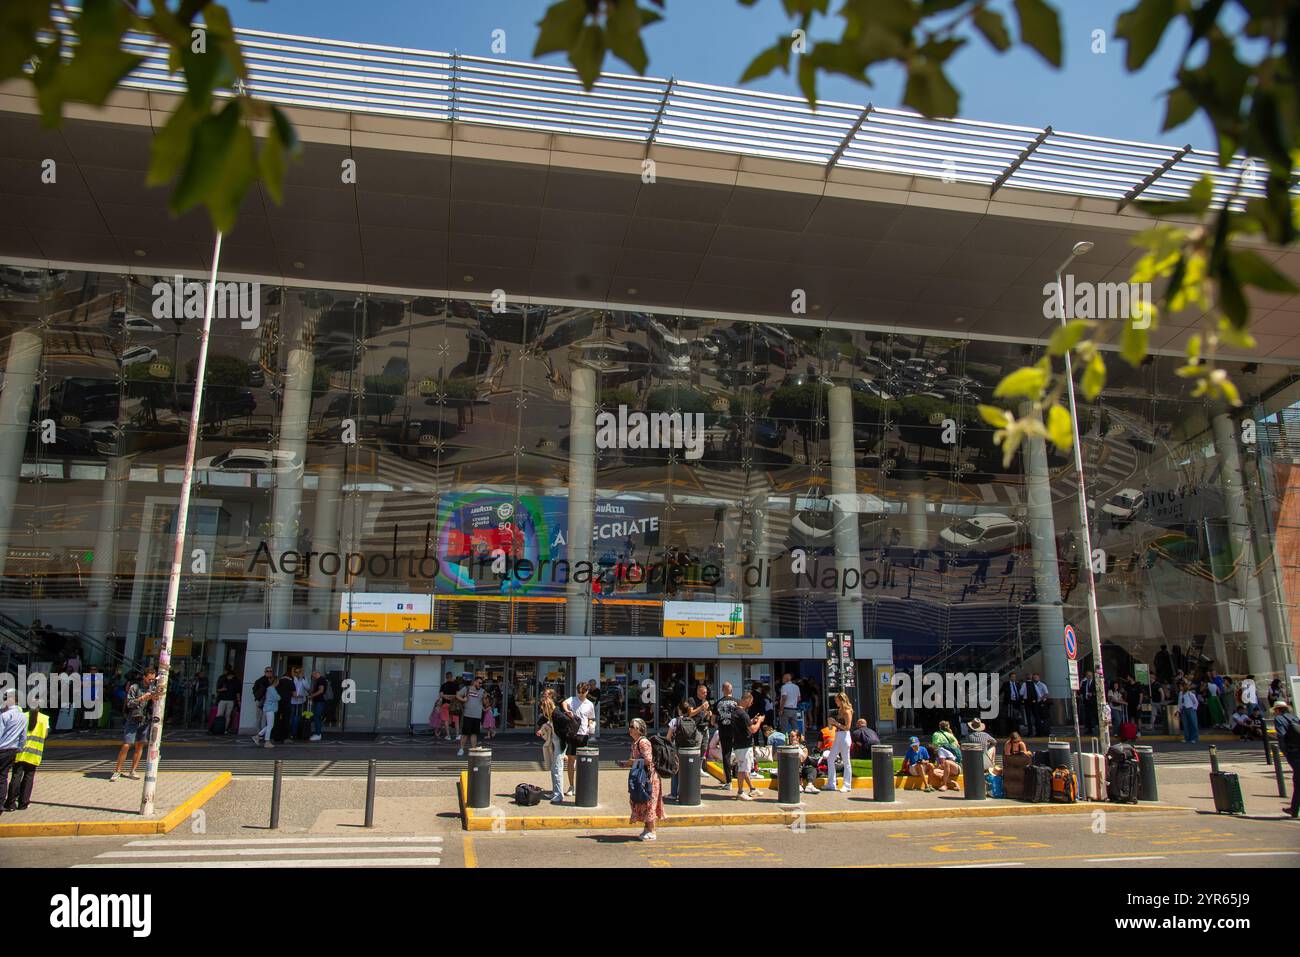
(1082, 247)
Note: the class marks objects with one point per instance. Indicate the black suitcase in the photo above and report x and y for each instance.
(304, 729)
(218, 725)
(1038, 785)
(528, 795)
(1043, 759)
(1226, 787)
(1123, 781)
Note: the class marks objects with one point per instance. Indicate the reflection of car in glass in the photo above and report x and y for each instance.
(1124, 505)
(768, 433)
(738, 376)
(396, 368)
(138, 436)
(813, 528)
(774, 350)
(869, 387)
(1143, 443)
(219, 401)
(521, 324)
(983, 534)
(256, 375)
(24, 280)
(670, 352)
(730, 343)
(136, 355)
(266, 461)
(121, 319)
(569, 332)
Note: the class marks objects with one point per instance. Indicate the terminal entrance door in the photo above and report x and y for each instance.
(678, 680)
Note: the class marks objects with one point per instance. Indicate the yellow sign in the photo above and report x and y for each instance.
(181, 647)
(426, 641)
(703, 619)
(885, 693)
(740, 646)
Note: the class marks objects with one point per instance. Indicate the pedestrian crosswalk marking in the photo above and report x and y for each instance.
(254, 852)
(277, 863)
(214, 841)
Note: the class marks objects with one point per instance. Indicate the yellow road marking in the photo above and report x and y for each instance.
(471, 859)
(1058, 857)
(985, 841)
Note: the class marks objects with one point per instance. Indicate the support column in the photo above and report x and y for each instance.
(759, 620)
(104, 568)
(325, 538)
(582, 492)
(1047, 576)
(844, 485)
(16, 397)
(918, 536)
(1240, 538)
(295, 410)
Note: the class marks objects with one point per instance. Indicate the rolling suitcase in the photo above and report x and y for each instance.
(218, 725)
(1226, 787)
(1038, 785)
(1094, 777)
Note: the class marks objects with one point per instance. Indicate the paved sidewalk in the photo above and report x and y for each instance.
(71, 804)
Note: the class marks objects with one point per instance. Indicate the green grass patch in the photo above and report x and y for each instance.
(860, 768)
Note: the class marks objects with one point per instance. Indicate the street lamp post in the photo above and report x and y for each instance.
(1094, 620)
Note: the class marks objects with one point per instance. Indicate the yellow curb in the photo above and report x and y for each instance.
(478, 822)
(160, 825)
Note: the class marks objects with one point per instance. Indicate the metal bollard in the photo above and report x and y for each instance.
(688, 777)
(1146, 756)
(1277, 770)
(480, 778)
(1058, 754)
(1263, 734)
(370, 794)
(1214, 760)
(587, 786)
(787, 774)
(1096, 743)
(972, 771)
(276, 778)
(882, 773)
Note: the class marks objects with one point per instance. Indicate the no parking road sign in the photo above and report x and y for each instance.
(1071, 643)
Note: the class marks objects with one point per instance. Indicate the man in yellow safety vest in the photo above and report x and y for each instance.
(27, 761)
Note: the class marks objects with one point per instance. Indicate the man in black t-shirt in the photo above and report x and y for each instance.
(727, 715)
(447, 695)
(259, 695)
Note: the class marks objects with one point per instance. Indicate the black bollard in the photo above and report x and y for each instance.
(480, 778)
(370, 794)
(1214, 760)
(1146, 756)
(972, 771)
(1058, 754)
(276, 778)
(1277, 770)
(1263, 734)
(587, 787)
(882, 773)
(788, 763)
(688, 777)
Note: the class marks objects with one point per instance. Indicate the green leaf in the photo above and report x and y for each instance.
(221, 166)
(990, 23)
(1066, 337)
(1197, 202)
(777, 56)
(928, 90)
(1026, 383)
(998, 418)
(281, 145)
(1040, 28)
(587, 54)
(1232, 297)
(1142, 28)
(1060, 427)
(559, 26)
(1253, 270)
(1179, 107)
(1094, 377)
(171, 144)
(98, 63)
(1134, 344)
(623, 34)
(807, 74)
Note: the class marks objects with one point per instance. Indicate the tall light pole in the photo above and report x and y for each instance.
(178, 547)
(1094, 620)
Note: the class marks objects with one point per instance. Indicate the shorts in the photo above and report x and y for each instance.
(135, 732)
(574, 743)
(744, 760)
(470, 725)
(916, 771)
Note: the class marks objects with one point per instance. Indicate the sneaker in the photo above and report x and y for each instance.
(132, 776)
(569, 791)
(649, 836)
(257, 742)
(314, 737)
(460, 753)
(813, 789)
(745, 796)
(114, 776)
(268, 745)
(844, 789)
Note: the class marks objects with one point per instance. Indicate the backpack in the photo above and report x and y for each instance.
(639, 788)
(528, 795)
(1291, 739)
(566, 726)
(665, 758)
(687, 734)
(1065, 787)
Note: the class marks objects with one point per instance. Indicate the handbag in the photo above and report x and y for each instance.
(639, 788)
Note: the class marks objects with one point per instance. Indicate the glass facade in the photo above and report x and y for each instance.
(520, 471)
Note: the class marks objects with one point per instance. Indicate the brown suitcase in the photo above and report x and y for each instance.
(1013, 774)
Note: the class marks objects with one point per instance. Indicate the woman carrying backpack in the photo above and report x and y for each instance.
(683, 732)
(552, 746)
(645, 794)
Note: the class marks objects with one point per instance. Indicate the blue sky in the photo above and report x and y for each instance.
(712, 41)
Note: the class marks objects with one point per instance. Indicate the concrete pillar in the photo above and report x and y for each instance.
(295, 409)
(1241, 539)
(16, 397)
(102, 570)
(1047, 581)
(844, 485)
(321, 602)
(758, 622)
(582, 492)
(918, 536)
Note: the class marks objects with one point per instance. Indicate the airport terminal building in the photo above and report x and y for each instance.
(657, 384)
